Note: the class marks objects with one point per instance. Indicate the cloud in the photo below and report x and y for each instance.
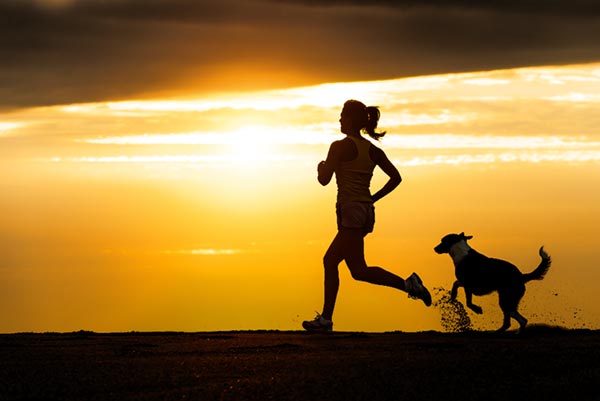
(204, 252)
(62, 52)
(556, 7)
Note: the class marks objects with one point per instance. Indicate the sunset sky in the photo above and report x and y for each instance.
(158, 158)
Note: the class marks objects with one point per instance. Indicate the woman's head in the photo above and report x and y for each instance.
(357, 117)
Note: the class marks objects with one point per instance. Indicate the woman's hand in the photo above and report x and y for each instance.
(326, 168)
(320, 166)
(323, 175)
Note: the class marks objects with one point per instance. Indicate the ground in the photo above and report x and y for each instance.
(543, 364)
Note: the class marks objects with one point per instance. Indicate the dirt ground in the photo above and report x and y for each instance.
(543, 364)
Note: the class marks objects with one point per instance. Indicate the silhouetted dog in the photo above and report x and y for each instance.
(480, 275)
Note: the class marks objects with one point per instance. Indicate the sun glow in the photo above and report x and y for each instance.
(8, 126)
(248, 136)
(251, 146)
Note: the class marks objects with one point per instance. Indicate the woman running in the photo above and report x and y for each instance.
(353, 160)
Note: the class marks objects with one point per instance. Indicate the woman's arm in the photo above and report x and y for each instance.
(326, 168)
(381, 159)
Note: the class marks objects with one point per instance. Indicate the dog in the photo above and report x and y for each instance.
(480, 275)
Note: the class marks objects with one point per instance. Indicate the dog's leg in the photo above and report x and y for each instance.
(457, 284)
(509, 302)
(505, 323)
(470, 304)
(519, 318)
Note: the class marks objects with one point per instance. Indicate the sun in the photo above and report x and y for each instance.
(250, 146)
(247, 153)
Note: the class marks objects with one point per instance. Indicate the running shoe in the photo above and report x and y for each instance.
(318, 324)
(416, 289)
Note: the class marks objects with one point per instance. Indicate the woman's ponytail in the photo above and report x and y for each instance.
(373, 118)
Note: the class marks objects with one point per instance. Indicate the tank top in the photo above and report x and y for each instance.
(354, 177)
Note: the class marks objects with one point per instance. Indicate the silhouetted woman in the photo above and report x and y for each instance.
(353, 160)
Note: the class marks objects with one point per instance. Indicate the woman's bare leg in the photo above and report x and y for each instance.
(331, 261)
(348, 245)
(355, 259)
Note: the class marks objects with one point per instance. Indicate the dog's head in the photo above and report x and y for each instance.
(449, 240)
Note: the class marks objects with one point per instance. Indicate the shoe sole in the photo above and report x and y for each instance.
(319, 330)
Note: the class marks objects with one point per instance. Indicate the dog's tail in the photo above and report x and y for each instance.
(542, 268)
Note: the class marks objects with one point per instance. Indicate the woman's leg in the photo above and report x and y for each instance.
(331, 261)
(353, 243)
(348, 245)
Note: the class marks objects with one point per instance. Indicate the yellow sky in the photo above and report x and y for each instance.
(205, 214)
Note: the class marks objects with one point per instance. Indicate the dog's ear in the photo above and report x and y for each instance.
(463, 236)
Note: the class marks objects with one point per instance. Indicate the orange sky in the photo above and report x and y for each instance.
(203, 213)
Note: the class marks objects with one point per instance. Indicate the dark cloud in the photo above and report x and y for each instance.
(557, 7)
(113, 49)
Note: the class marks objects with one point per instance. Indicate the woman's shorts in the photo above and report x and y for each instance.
(356, 215)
